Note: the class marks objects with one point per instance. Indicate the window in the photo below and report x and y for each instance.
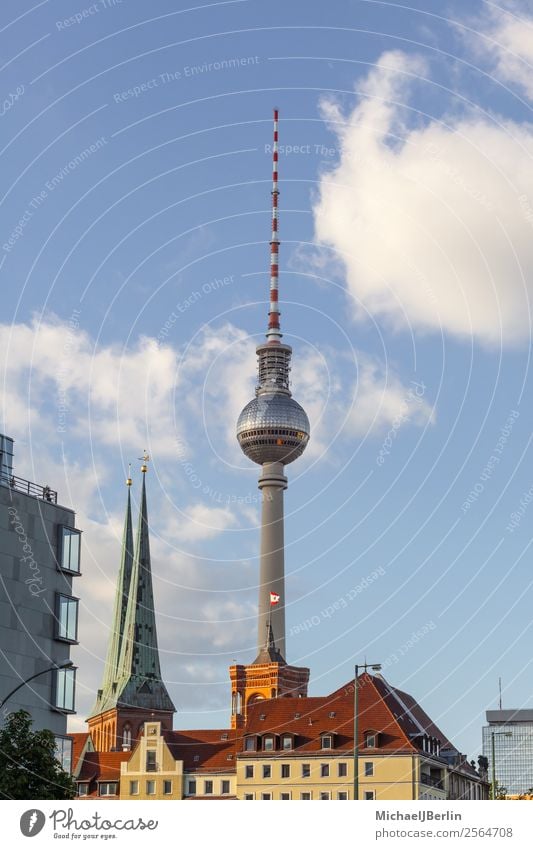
(249, 744)
(305, 797)
(192, 787)
(107, 788)
(342, 794)
(69, 549)
(369, 768)
(224, 736)
(225, 787)
(64, 752)
(167, 788)
(249, 797)
(326, 741)
(83, 788)
(66, 625)
(196, 759)
(285, 770)
(324, 795)
(208, 788)
(370, 740)
(369, 794)
(266, 796)
(151, 765)
(324, 770)
(306, 770)
(267, 771)
(150, 788)
(268, 744)
(64, 681)
(249, 771)
(332, 714)
(342, 770)
(285, 797)
(134, 788)
(286, 742)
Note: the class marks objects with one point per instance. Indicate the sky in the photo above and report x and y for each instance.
(134, 259)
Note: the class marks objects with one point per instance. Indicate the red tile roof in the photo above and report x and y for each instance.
(103, 766)
(204, 750)
(79, 741)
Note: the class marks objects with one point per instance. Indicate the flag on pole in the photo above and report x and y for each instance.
(274, 599)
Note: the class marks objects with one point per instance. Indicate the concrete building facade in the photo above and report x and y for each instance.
(39, 566)
(512, 733)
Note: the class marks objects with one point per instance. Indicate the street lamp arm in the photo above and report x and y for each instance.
(67, 665)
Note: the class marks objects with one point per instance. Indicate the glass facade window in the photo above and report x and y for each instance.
(64, 686)
(66, 618)
(69, 549)
(167, 788)
(64, 752)
(513, 752)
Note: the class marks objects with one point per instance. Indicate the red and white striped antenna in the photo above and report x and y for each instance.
(274, 332)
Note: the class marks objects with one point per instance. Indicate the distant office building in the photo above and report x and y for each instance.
(512, 732)
(39, 557)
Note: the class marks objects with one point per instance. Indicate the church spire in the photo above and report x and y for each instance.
(119, 612)
(139, 682)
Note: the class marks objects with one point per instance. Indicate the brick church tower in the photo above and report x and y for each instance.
(132, 689)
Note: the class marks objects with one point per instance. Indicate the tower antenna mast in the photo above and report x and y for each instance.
(273, 332)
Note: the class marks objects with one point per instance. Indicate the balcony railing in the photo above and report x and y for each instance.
(431, 782)
(29, 488)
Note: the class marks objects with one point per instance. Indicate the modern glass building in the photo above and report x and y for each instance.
(512, 732)
(39, 565)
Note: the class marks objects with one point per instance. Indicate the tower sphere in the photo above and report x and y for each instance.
(273, 427)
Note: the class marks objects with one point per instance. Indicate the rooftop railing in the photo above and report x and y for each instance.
(29, 488)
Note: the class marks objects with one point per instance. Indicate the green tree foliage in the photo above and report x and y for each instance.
(29, 768)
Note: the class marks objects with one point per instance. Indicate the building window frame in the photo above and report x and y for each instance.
(266, 797)
(167, 787)
(225, 787)
(285, 796)
(268, 743)
(369, 795)
(324, 770)
(326, 741)
(150, 787)
(83, 788)
(64, 747)
(134, 787)
(66, 631)
(191, 787)
(151, 760)
(324, 795)
(369, 769)
(248, 771)
(306, 770)
(342, 769)
(68, 552)
(342, 795)
(64, 690)
(287, 742)
(267, 771)
(306, 796)
(208, 787)
(285, 770)
(250, 744)
(107, 788)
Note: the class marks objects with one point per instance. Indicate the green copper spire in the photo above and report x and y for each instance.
(111, 669)
(139, 682)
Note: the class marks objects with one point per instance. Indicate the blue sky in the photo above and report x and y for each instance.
(134, 267)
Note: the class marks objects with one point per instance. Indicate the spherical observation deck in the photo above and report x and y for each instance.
(273, 428)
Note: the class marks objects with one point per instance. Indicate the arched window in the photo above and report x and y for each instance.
(126, 737)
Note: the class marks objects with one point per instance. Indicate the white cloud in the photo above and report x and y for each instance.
(431, 222)
(506, 40)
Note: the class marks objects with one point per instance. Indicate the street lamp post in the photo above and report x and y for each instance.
(67, 664)
(493, 750)
(375, 667)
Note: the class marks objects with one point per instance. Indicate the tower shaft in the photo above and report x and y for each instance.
(272, 483)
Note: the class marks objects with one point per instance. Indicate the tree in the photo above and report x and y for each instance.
(29, 768)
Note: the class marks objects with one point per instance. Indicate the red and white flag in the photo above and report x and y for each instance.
(274, 599)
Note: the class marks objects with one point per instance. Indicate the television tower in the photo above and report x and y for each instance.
(273, 430)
